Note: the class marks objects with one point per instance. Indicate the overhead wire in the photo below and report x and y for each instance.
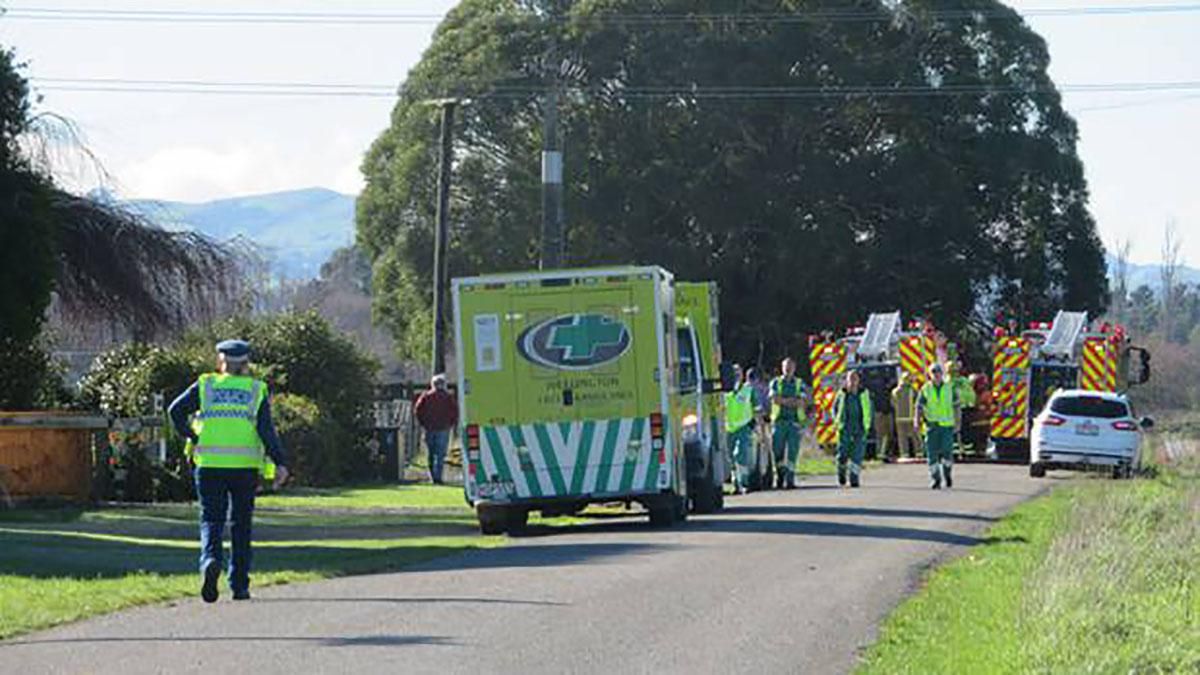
(38, 13)
(685, 91)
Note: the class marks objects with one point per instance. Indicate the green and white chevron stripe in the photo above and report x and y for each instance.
(594, 457)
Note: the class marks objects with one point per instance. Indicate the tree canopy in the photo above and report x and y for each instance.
(818, 164)
(100, 260)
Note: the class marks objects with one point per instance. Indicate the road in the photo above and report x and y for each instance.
(782, 582)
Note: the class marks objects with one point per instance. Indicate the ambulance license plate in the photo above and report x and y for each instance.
(496, 489)
(1087, 429)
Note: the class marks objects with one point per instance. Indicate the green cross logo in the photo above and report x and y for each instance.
(583, 338)
(574, 341)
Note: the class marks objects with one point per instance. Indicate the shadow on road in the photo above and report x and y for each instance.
(548, 556)
(359, 641)
(815, 528)
(853, 511)
(419, 601)
(545, 555)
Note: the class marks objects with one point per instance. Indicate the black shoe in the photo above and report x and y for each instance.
(935, 485)
(841, 479)
(212, 574)
(791, 482)
(854, 482)
(241, 595)
(949, 480)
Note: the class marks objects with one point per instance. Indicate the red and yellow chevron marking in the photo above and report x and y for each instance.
(914, 358)
(1099, 370)
(825, 426)
(827, 362)
(1010, 387)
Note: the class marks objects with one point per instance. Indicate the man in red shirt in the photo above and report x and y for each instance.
(437, 412)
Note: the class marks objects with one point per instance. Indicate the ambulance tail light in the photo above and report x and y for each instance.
(473, 441)
(656, 436)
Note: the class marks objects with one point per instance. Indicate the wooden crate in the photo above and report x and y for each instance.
(47, 455)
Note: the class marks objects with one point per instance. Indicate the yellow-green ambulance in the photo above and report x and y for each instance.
(568, 393)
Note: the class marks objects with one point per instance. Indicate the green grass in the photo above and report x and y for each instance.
(369, 498)
(1097, 577)
(63, 565)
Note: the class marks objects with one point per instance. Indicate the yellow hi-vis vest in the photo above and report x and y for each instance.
(864, 401)
(739, 408)
(777, 390)
(939, 404)
(227, 423)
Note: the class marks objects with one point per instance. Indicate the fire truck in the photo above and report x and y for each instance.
(1069, 353)
(879, 351)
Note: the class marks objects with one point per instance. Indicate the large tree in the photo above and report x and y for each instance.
(100, 260)
(819, 164)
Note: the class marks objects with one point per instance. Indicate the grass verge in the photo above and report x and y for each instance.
(63, 565)
(1097, 577)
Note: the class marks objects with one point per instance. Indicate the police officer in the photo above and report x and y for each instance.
(226, 441)
(789, 397)
(853, 411)
(936, 405)
(739, 428)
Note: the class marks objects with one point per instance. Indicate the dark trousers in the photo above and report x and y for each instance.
(221, 492)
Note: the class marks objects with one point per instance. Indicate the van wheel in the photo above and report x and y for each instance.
(517, 520)
(492, 520)
(662, 515)
(1037, 470)
(704, 499)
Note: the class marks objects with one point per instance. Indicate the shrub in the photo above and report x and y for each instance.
(322, 452)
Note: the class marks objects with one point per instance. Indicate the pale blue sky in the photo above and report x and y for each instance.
(1139, 149)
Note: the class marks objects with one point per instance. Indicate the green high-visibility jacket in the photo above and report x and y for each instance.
(739, 408)
(792, 388)
(938, 403)
(864, 402)
(964, 391)
(226, 422)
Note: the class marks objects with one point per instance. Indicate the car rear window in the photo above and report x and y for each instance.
(1089, 406)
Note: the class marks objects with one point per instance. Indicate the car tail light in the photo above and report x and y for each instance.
(1124, 425)
(1054, 421)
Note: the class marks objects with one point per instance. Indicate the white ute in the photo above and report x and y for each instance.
(1087, 429)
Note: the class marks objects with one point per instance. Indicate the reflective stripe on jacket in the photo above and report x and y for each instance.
(739, 408)
(226, 423)
(938, 402)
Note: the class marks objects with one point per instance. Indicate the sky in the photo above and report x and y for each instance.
(1138, 149)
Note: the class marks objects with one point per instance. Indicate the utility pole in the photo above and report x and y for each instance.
(441, 275)
(552, 164)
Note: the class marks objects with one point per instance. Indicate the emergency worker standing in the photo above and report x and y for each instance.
(852, 410)
(935, 405)
(739, 428)
(904, 404)
(789, 398)
(226, 442)
(964, 398)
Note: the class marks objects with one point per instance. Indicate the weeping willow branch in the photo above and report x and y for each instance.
(113, 265)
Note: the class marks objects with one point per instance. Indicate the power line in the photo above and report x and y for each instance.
(34, 13)
(674, 92)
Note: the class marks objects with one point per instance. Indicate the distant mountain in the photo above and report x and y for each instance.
(1149, 274)
(297, 230)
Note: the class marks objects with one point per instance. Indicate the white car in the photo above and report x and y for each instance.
(1086, 430)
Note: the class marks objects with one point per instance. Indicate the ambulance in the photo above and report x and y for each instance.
(569, 394)
(701, 373)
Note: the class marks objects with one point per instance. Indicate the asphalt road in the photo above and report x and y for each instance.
(782, 582)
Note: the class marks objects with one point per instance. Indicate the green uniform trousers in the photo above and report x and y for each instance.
(785, 443)
(939, 451)
(850, 451)
(741, 443)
